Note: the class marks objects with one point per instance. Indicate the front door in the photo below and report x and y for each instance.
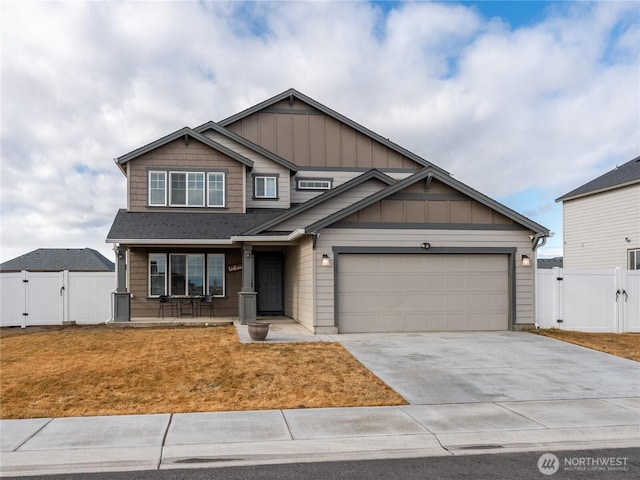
(269, 283)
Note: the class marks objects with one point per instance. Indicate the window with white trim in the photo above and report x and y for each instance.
(216, 189)
(158, 188)
(215, 274)
(187, 189)
(313, 184)
(265, 187)
(634, 259)
(186, 274)
(157, 274)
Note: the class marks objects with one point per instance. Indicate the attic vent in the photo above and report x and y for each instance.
(290, 100)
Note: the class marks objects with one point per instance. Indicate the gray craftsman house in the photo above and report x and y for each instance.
(289, 208)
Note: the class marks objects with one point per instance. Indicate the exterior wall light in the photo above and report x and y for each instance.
(526, 261)
(425, 245)
(326, 261)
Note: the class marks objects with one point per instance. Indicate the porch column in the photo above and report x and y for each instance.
(247, 295)
(121, 298)
(121, 269)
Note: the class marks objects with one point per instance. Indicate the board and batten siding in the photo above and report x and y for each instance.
(595, 228)
(178, 156)
(331, 206)
(348, 237)
(298, 287)
(308, 137)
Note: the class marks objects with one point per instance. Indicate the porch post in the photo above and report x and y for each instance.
(247, 295)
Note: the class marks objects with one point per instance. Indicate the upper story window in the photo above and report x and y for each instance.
(216, 189)
(158, 188)
(634, 259)
(313, 184)
(187, 189)
(265, 186)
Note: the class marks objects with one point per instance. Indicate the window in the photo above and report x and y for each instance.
(157, 274)
(186, 274)
(216, 189)
(314, 184)
(158, 188)
(187, 189)
(215, 279)
(266, 187)
(634, 259)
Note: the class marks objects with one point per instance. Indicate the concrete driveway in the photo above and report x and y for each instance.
(447, 368)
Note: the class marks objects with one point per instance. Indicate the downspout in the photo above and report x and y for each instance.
(537, 240)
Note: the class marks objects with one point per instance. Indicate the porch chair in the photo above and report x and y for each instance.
(166, 302)
(207, 302)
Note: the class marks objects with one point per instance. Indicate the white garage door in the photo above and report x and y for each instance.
(421, 293)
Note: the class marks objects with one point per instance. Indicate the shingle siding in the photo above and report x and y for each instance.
(178, 156)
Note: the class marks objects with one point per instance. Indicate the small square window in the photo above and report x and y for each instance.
(266, 187)
(634, 259)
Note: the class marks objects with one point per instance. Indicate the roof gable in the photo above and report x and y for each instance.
(427, 175)
(185, 133)
(292, 101)
(247, 143)
(59, 259)
(345, 187)
(621, 176)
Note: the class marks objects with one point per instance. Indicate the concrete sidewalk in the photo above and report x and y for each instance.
(598, 408)
(149, 442)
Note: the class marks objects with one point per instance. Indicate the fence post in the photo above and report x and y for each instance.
(64, 293)
(620, 300)
(25, 298)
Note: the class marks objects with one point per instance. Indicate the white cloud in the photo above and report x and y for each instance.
(544, 107)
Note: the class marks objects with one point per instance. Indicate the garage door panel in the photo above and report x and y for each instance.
(395, 292)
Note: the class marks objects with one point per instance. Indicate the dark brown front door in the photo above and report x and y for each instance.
(269, 283)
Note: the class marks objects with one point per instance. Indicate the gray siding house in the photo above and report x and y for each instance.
(601, 220)
(289, 208)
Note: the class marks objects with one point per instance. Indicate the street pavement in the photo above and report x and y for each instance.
(475, 417)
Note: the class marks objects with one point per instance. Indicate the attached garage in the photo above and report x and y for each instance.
(423, 292)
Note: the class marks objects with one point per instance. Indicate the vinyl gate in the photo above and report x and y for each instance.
(589, 300)
(54, 298)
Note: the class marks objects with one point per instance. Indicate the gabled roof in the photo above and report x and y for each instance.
(141, 227)
(292, 212)
(58, 259)
(185, 132)
(247, 143)
(444, 178)
(292, 93)
(621, 176)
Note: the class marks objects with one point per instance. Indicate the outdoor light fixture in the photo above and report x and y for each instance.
(326, 261)
(425, 245)
(526, 261)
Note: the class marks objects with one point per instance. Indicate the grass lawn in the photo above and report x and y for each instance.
(102, 371)
(626, 345)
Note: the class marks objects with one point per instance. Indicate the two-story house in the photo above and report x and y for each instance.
(601, 220)
(290, 208)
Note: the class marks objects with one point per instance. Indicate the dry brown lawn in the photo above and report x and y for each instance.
(102, 371)
(626, 345)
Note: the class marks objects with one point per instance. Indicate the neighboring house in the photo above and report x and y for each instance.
(549, 263)
(59, 259)
(601, 220)
(289, 208)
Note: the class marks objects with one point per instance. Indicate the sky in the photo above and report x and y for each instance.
(523, 101)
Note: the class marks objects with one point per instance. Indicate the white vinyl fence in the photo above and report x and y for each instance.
(589, 300)
(54, 298)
